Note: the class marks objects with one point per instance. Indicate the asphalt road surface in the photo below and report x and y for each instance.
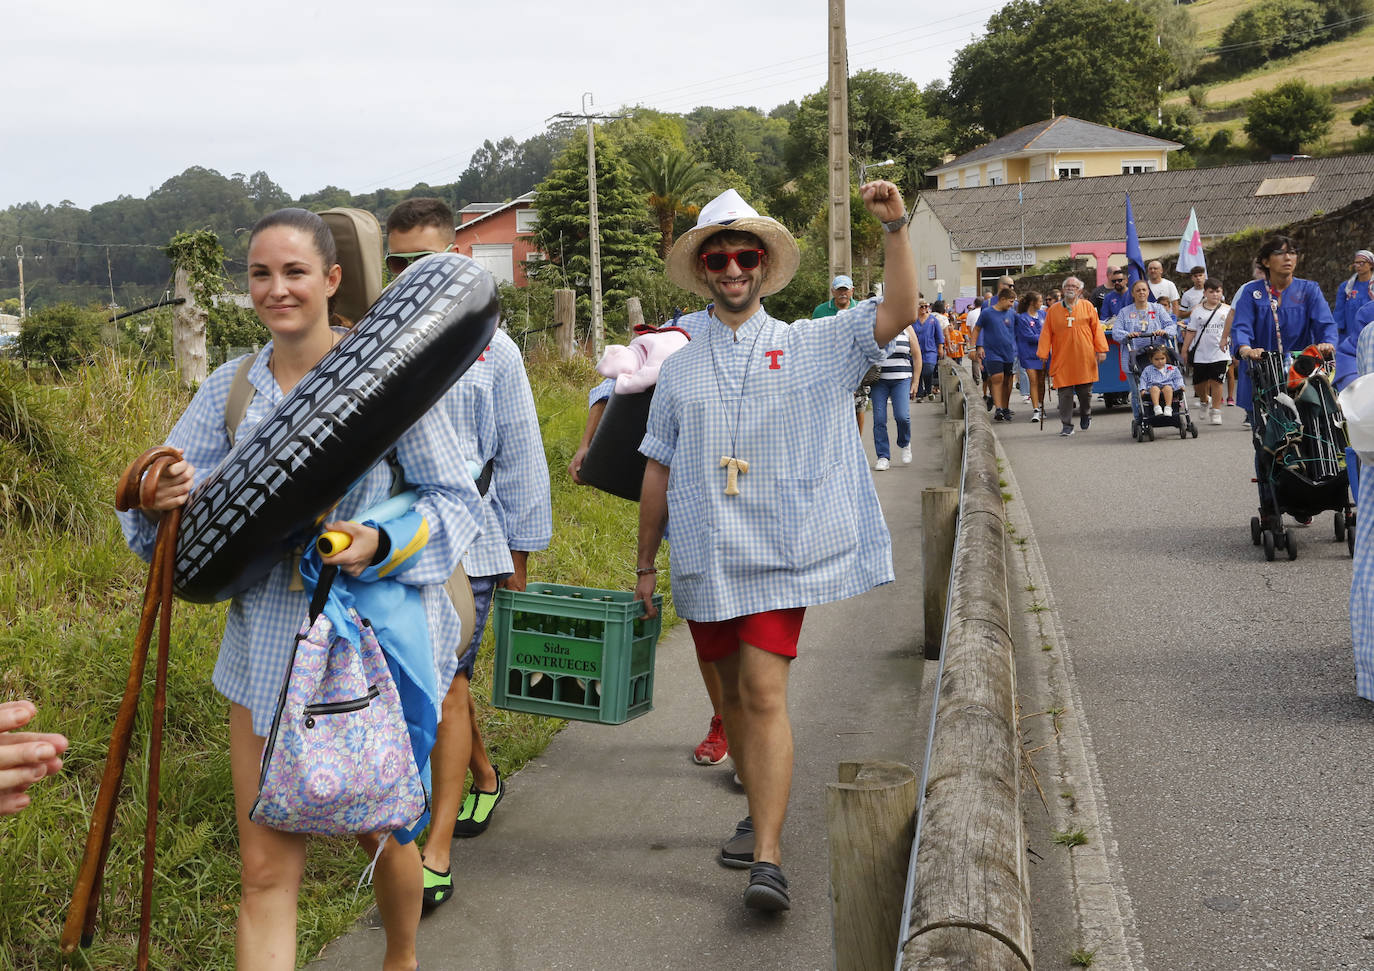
(1233, 755)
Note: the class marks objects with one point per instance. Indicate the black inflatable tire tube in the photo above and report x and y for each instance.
(613, 462)
(270, 491)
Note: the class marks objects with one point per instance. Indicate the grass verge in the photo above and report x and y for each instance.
(69, 601)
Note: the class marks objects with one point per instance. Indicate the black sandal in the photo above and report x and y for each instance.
(738, 851)
(767, 888)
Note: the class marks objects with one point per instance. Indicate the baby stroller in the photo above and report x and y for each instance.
(1143, 420)
(1300, 441)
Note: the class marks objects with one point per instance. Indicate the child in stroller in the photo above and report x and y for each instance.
(1160, 381)
(1157, 398)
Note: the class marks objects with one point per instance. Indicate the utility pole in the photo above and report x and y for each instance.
(598, 324)
(840, 256)
(19, 255)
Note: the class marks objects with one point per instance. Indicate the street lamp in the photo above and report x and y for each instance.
(863, 169)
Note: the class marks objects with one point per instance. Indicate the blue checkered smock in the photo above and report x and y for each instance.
(1362, 573)
(492, 411)
(263, 620)
(806, 527)
(1132, 320)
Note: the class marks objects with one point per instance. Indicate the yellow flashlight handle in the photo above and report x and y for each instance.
(333, 541)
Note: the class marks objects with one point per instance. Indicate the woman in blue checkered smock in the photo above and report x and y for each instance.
(1362, 574)
(292, 272)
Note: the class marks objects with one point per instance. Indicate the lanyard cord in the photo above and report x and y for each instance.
(720, 392)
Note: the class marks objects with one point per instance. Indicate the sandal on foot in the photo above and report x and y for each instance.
(738, 851)
(767, 888)
(438, 887)
(475, 816)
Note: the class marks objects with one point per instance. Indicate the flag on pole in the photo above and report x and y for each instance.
(1190, 246)
(1135, 263)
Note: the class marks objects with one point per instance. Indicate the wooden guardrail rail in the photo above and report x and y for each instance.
(970, 899)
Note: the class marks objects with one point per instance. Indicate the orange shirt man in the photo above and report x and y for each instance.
(1073, 341)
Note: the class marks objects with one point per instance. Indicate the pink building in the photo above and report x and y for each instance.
(500, 236)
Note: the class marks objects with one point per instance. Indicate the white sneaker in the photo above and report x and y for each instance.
(882, 465)
(1214, 416)
(1158, 409)
(906, 455)
(1035, 417)
(1168, 411)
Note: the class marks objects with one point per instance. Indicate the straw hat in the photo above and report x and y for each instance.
(728, 211)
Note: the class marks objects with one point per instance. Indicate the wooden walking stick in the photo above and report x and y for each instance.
(136, 489)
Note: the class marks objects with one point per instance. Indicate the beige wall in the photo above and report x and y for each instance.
(1031, 168)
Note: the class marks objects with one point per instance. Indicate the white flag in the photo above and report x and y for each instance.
(1190, 246)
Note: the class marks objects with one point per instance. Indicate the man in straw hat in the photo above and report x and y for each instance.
(754, 459)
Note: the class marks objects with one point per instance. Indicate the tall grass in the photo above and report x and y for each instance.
(69, 600)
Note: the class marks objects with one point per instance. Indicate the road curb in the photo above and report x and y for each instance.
(1104, 916)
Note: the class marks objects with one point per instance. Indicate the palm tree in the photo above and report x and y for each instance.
(669, 178)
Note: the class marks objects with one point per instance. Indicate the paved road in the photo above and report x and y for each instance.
(602, 855)
(1233, 754)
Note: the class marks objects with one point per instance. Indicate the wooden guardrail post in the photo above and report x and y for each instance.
(870, 817)
(565, 317)
(188, 331)
(954, 402)
(952, 448)
(939, 524)
(971, 900)
(948, 387)
(634, 313)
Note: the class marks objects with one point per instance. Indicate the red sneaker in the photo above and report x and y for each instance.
(713, 749)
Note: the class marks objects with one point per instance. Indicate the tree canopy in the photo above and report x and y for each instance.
(1098, 60)
(1289, 116)
(627, 231)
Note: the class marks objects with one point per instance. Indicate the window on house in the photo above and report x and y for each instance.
(526, 220)
(1135, 168)
(952, 181)
(995, 175)
(1069, 170)
(970, 180)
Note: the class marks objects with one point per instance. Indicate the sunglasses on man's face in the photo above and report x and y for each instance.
(745, 259)
(397, 262)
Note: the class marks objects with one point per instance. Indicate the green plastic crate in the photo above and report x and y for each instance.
(574, 652)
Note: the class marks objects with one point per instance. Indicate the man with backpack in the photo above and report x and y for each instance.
(492, 410)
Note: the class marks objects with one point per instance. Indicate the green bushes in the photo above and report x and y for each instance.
(1277, 28)
(1289, 116)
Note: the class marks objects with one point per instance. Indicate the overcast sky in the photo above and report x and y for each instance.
(104, 99)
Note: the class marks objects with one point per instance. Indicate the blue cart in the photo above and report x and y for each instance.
(1113, 381)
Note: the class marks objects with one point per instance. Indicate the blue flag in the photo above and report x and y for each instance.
(1135, 263)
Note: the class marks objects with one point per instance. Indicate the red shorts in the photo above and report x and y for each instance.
(774, 631)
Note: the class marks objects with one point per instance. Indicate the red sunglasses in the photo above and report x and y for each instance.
(745, 259)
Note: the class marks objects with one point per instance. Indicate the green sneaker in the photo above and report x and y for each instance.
(475, 816)
(438, 887)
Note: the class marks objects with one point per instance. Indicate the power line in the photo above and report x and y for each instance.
(22, 237)
(1270, 41)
